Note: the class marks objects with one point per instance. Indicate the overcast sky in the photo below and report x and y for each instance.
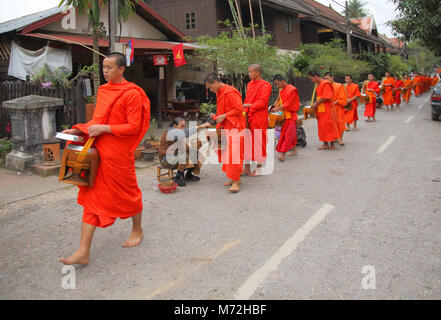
(10, 9)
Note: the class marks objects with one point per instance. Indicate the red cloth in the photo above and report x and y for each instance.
(353, 91)
(388, 98)
(178, 55)
(327, 129)
(115, 193)
(290, 102)
(229, 102)
(371, 107)
(397, 93)
(341, 98)
(258, 94)
(408, 89)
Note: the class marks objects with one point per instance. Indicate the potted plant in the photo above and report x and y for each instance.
(149, 152)
(206, 110)
(153, 141)
(138, 152)
(90, 107)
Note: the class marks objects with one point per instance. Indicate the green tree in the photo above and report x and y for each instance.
(421, 58)
(419, 19)
(232, 53)
(356, 9)
(331, 57)
(126, 8)
(378, 63)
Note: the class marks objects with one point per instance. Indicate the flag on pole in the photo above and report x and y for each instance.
(130, 52)
(178, 55)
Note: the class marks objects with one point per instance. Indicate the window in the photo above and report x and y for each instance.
(190, 20)
(289, 24)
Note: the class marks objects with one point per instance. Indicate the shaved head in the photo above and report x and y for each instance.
(255, 72)
(256, 67)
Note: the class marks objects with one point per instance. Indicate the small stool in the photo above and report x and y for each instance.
(160, 174)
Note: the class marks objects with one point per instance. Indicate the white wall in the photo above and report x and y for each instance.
(135, 27)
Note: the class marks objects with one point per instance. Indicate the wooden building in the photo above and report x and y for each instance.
(201, 17)
(152, 35)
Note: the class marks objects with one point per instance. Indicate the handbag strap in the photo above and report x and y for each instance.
(313, 94)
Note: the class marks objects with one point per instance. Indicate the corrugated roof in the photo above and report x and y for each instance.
(20, 23)
(293, 5)
(104, 42)
(329, 17)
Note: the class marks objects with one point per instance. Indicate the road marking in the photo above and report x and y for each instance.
(409, 119)
(386, 144)
(250, 286)
(419, 107)
(173, 283)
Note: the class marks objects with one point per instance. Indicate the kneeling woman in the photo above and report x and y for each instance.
(172, 142)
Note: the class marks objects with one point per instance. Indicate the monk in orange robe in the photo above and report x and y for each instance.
(231, 120)
(290, 104)
(388, 97)
(327, 129)
(407, 88)
(371, 89)
(398, 85)
(351, 116)
(434, 80)
(339, 102)
(417, 85)
(256, 108)
(119, 123)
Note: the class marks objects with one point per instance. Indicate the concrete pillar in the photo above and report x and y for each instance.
(32, 123)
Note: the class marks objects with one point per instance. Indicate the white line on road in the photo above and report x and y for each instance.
(250, 286)
(386, 144)
(409, 119)
(419, 107)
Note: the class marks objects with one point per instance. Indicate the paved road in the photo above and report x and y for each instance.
(304, 232)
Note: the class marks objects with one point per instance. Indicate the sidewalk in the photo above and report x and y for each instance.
(16, 187)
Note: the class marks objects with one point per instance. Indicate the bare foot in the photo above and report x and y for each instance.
(76, 258)
(340, 142)
(293, 152)
(134, 239)
(229, 183)
(281, 157)
(332, 147)
(235, 187)
(323, 147)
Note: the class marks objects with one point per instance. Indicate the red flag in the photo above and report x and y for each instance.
(178, 55)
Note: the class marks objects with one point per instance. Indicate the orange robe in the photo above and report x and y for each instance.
(407, 91)
(341, 98)
(397, 93)
(370, 107)
(327, 129)
(229, 102)
(291, 104)
(115, 193)
(258, 94)
(434, 81)
(417, 88)
(388, 97)
(353, 91)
